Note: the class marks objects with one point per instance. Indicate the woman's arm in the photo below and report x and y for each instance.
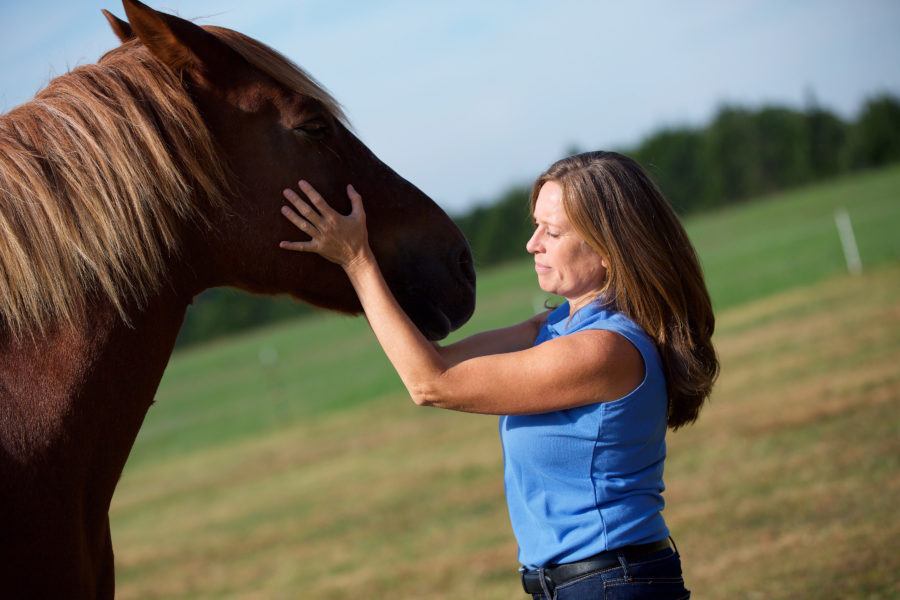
(573, 370)
(495, 341)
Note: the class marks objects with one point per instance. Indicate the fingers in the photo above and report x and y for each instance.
(309, 221)
(327, 229)
(296, 246)
(315, 197)
(322, 208)
(356, 206)
(299, 222)
(301, 205)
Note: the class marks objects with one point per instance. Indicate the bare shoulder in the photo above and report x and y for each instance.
(603, 357)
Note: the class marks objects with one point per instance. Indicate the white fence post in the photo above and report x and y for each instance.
(848, 241)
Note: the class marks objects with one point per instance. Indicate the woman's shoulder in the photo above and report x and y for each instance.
(598, 315)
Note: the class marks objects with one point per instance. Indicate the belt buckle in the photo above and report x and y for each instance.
(533, 577)
(522, 572)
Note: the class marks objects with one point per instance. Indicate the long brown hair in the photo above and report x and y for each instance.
(653, 276)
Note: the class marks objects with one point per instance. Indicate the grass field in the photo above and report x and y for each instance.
(288, 462)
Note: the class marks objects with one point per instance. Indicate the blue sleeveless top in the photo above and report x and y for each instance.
(588, 479)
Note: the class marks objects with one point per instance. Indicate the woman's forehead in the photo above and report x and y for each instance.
(548, 206)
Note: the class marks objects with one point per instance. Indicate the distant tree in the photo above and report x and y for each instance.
(676, 161)
(748, 153)
(731, 153)
(221, 311)
(783, 149)
(498, 232)
(826, 136)
(876, 134)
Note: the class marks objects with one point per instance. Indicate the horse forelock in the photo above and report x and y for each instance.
(97, 175)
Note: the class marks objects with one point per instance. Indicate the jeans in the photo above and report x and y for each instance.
(656, 577)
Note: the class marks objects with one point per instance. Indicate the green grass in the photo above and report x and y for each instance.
(753, 250)
(288, 462)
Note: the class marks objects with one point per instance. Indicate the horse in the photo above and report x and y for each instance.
(127, 187)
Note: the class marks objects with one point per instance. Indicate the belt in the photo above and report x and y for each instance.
(559, 574)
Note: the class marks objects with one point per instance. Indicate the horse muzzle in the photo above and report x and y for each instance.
(439, 297)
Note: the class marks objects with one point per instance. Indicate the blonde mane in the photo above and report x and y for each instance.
(98, 175)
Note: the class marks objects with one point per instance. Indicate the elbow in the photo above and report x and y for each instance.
(420, 400)
(424, 395)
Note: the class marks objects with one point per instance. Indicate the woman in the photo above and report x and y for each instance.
(585, 393)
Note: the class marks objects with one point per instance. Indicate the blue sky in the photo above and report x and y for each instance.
(466, 98)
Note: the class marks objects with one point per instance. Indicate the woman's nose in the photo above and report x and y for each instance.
(532, 244)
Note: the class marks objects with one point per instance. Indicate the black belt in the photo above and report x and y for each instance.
(559, 574)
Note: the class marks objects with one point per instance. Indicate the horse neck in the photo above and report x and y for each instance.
(71, 405)
(76, 397)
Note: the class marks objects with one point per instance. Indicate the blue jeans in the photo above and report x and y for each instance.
(656, 577)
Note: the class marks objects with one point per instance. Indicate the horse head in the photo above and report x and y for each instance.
(274, 125)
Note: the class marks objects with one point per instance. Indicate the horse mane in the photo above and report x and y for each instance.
(98, 175)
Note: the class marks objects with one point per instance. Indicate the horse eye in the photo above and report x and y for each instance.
(316, 128)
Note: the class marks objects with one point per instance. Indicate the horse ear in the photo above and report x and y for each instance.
(167, 37)
(121, 28)
(180, 44)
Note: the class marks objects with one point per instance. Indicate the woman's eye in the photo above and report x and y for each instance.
(316, 128)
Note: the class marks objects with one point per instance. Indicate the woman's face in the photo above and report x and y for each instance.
(566, 265)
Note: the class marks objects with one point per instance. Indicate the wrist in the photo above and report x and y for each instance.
(360, 263)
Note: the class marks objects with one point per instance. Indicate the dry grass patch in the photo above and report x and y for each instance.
(785, 488)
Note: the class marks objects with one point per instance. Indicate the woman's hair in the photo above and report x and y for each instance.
(653, 275)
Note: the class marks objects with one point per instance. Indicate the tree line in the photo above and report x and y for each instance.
(741, 154)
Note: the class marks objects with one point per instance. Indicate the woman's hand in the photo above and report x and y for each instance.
(341, 239)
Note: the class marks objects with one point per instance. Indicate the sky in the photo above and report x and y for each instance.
(470, 97)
